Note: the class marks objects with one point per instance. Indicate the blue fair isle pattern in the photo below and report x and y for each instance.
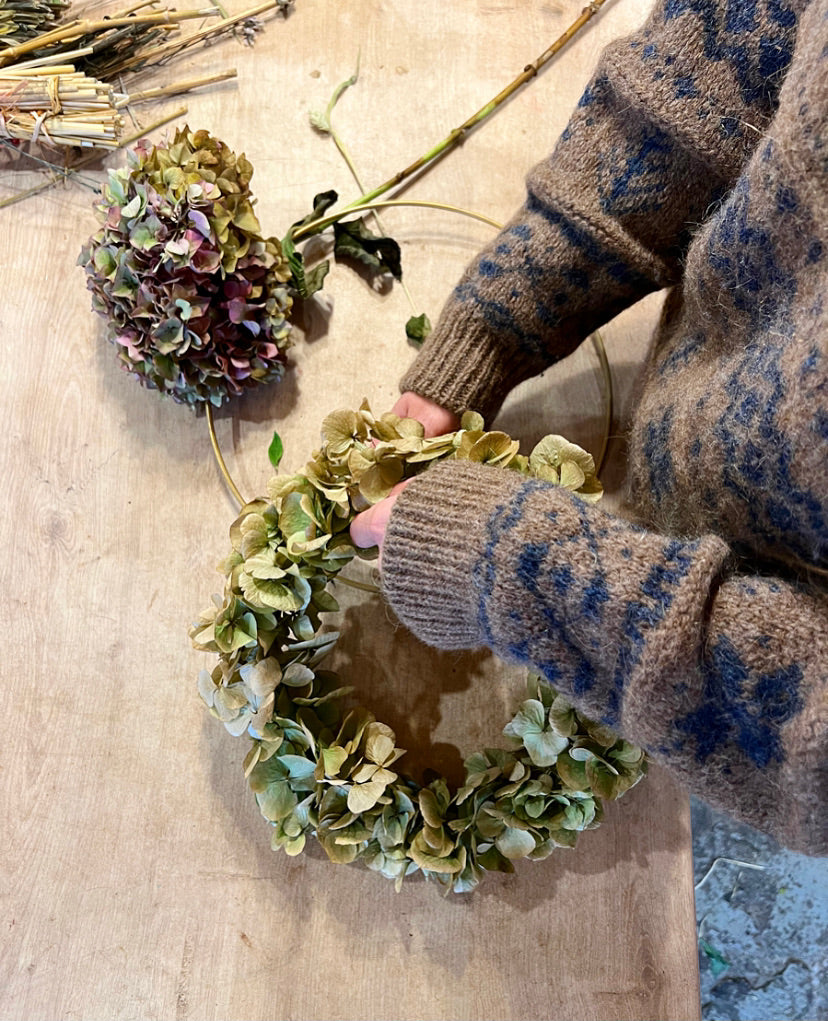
(555, 290)
(758, 60)
(741, 708)
(531, 559)
(657, 449)
(634, 177)
(555, 593)
(758, 460)
(643, 615)
(744, 258)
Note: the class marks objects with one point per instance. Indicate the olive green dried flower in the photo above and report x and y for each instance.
(195, 299)
(318, 772)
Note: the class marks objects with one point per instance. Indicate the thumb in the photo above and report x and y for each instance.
(368, 527)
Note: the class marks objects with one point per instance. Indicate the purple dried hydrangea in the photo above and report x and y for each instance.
(195, 299)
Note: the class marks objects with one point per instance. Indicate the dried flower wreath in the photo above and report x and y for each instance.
(316, 771)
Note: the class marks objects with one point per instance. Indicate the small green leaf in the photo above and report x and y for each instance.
(364, 796)
(718, 962)
(297, 675)
(417, 329)
(275, 450)
(544, 748)
(298, 766)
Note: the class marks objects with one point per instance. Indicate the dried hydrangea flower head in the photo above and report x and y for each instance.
(194, 297)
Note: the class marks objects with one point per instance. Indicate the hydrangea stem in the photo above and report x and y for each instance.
(459, 133)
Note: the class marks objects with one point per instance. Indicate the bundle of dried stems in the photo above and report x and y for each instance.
(58, 86)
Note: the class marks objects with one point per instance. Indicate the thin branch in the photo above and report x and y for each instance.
(161, 52)
(75, 29)
(186, 85)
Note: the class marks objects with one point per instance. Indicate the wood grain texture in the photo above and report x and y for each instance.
(137, 878)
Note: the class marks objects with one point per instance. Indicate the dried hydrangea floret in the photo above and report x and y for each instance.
(195, 299)
(317, 772)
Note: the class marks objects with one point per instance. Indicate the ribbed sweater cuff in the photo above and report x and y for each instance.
(432, 543)
(462, 366)
(476, 555)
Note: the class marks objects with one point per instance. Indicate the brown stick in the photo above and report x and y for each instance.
(175, 87)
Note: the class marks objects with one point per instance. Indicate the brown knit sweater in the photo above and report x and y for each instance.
(697, 159)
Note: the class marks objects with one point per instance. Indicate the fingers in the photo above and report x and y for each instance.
(368, 528)
(435, 419)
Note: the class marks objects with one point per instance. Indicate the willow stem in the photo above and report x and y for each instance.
(231, 485)
(456, 136)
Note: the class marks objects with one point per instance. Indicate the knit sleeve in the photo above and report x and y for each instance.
(722, 677)
(665, 126)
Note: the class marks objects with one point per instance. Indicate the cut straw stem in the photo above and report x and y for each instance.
(186, 85)
(91, 157)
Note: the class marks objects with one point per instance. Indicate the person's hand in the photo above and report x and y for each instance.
(435, 418)
(368, 528)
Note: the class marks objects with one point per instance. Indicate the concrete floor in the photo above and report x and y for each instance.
(763, 932)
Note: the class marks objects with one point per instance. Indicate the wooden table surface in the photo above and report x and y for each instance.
(137, 876)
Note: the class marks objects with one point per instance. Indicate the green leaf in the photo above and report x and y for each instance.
(275, 450)
(353, 240)
(321, 204)
(307, 282)
(471, 421)
(277, 801)
(364, 796)
(448, 865)
(380, 479)
(332, 760)
(515, 843)
(572, 773)
(718, 962)
(530, 719)
(297, 675)
(544, 748)
(417, 329)
(298, 766)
